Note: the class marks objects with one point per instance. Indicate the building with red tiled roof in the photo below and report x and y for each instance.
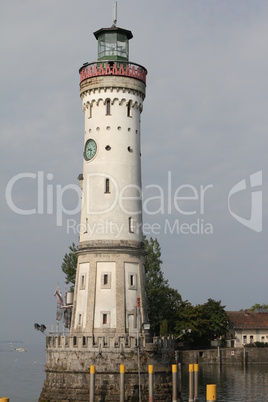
(247, 327)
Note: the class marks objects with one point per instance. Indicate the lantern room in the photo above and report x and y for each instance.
(113, 43)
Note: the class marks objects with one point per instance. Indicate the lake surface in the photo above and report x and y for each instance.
(234, 382)
(22, 376)
(22, 373)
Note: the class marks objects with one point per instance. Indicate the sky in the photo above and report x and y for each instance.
(204, 146)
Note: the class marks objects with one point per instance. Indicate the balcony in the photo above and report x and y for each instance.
(103, 68)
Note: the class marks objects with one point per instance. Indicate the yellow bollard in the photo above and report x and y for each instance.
(211, 392)
(122, 382)
(92, 384)
(196, 399)
(151, 385)
(174, 383)
(191, 383)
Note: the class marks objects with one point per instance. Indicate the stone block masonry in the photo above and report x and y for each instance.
(225, 356)
(68, 370)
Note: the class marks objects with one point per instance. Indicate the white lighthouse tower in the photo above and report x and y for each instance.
(110, 273)
(109, 319)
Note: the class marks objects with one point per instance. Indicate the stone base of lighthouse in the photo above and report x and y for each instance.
(68, 369)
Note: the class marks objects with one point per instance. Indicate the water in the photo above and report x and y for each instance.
(22, 376)
(234, 382)
(22, 373)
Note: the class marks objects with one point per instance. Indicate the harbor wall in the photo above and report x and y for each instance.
(225, 356)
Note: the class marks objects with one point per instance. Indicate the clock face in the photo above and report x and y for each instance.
(90, 149)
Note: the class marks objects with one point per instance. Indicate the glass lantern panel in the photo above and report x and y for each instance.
(113, 46)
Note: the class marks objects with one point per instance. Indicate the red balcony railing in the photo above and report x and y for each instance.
(103, 68)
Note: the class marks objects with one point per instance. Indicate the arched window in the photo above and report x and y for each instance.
(108, 107)
(89, 111)
(129, 109)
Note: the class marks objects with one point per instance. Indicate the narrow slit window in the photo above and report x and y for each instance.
(131, 225)
(107, 185)
(131, 280)
(85, 231)
(104, 318)
(80, 319)
(90, 111)
(129, 109)
(83, 282)
(108, 107)
(105, 279)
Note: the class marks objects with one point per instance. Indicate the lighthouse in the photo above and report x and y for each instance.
(110, 272)
(109, 326)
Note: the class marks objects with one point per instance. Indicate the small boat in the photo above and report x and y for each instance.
(21, 350)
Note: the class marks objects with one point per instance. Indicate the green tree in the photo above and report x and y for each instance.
(258, 306)
(207, 321)
(163, 301)
(190, 325)
(215, 316)
(69, 265)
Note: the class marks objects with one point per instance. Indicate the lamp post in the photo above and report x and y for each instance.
(40, 328)
(184, 332)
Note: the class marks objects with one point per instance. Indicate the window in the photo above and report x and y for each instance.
(244, 338)
(107, 186)
(112, 44)
(85, 231)
(106, 280)
(251, 339)
(104, 318)
(80, 319)
(89, 111)
(132, 281)
(129, 149)
(83, 282)
(129, 109)
(131, 225)
(108, 107)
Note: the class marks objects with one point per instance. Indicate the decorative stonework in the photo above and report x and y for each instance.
(110, 83)
(122, 102)
(123, 69)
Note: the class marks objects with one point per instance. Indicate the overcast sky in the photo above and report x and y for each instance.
(204, 130)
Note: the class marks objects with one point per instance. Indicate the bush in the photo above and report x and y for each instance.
(259, 344)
